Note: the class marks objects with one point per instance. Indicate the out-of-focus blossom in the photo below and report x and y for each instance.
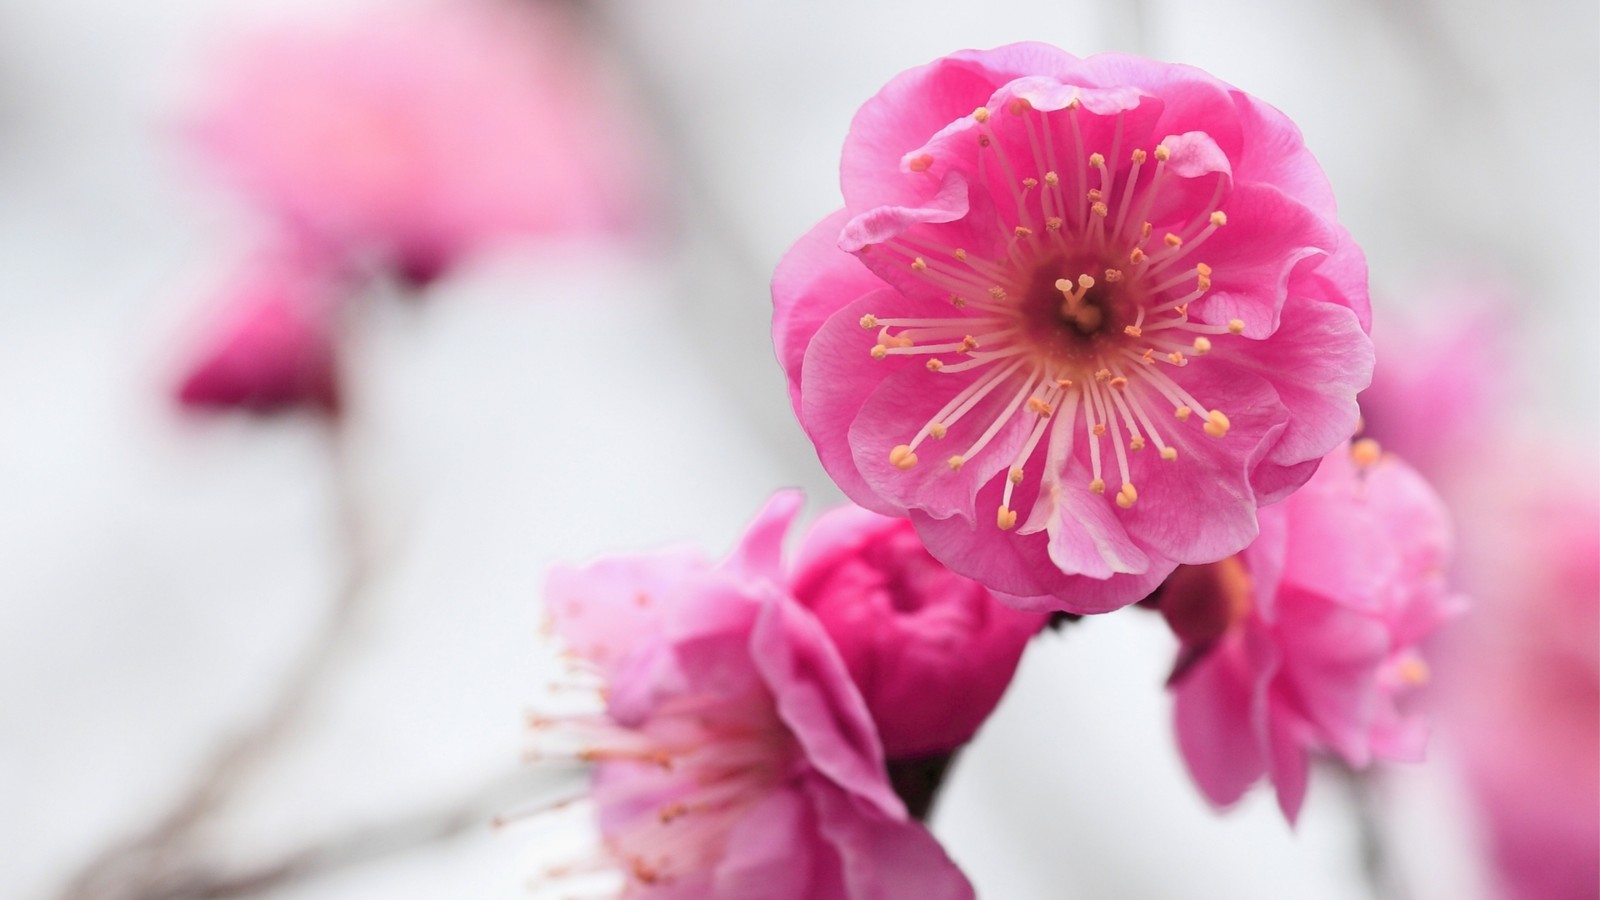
(1520, 682)
(1307, 641)
(410, 137)
(1078, 319)
(1430, 389)
(735, 758)
(931, 651)
(272, 342)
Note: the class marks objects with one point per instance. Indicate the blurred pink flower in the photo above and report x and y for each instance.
(1520, 681)
(735, 758)
(272, 342)
(1307, 640)
(931, 651)
(414, 136)
(1114, 290)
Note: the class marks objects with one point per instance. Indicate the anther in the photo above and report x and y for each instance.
(1086, 281)
(1163, 154)
(955, 462)
(1053, 223)
(960, 254)
(1097, 161)
(968, 344)
(1217, 424)
(1127, 496)
(902, 458)
(1183, 413)
(1015, 475)
(1173, 240)
(1100, 209)
(1022, 231)
(879, 351)
(1202, 345)
(1133, 331)
(1413, 671)
(869, 321)
(1102, 375)
(1136, 257)
(919, 264)
(1035, 405)
(1064, 382)
(1099, 429)
(1219, 218)
(1148, 357)
(998, 294)
(1138, 157)
(1030, 183)
(1366, 452)
(938, 430)
(1236, 326)
(981, 114)
(1119, 382)
(1097, 486)
(935, 365)
(1169, 453)
(1095, 196)
(922, 163)
(1052, 179)
(1136, 443)
(1113, 276)
(1006, 519)
(1019, 106)
(1175, 357)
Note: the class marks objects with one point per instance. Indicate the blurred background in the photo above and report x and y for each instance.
(167, 572)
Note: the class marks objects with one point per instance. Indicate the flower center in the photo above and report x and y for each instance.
(1081, 320)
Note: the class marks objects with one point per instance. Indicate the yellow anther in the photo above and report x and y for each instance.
(879, 351)
(1182, 310)
(1099, 429)
(1102, 375)
(968, 344)
(1138, 156)
(1053, 223)
(1097, 161)
(899, 341)
(1063, 285)
(902, 458)
(1097, 486)
(1100, 209)
(919, 264)
(1202, 269)
(869, 321)
(1136, 257)
(1219, 218)
(1169, 453)
(1086, 281)
(1217, 424)
(1119, 382)
(1145, 229)
(1163, 154)
(1136, 443)
(1035, 405)
(981, 114)
(961, 254)
(922, 163)
(1183, 413)
(1133, 331)
(1175, 357)
(998, 294)
(1030, 183)
(1006, 519)
(935, 365)
(1113, 276)
(1064, 382)
(938, 430)
(1202, 345)
(1413, 671)
(1019, 106)
(1236, 326)
(1095, 196)
(1148, 357)
(958, 302)
(1173, 240)
(1052, 179)
(1127, 496)
(1366, 452)
(1015, 475)
(1022, 231)
(955, 463)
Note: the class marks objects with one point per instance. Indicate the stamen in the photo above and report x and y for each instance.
(902, 458)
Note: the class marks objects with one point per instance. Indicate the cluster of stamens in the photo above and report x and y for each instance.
(1078, 321)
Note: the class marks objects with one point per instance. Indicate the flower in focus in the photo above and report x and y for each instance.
(1307, 641)
(272, 343)
(1520, 680)
(930, 651)
(410, 138)
(734, 758)
(1077, 320)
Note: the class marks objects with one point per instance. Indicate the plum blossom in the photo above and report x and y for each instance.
(1308, 640)
(411, 137)
(272, 342)
(930, 651)
(1078, 319)
(734, 757)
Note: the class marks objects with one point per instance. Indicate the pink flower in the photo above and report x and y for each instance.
(930, 651)
(272, 343)
(416, 136)
(1307, 641)
(1520, 680)
(1106, 300)
(735, 758)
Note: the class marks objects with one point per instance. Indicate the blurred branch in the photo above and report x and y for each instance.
(1378, 868)
(129, 868)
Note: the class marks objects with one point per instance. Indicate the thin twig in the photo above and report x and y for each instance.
(1378, 869)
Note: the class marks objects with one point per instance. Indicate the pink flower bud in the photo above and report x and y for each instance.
(931, 651)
